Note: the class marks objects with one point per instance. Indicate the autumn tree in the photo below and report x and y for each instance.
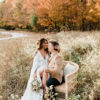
(20, 15)
(71, 14)
(52, 15)
(33, 17)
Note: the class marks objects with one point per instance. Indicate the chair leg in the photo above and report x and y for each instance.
(66, 93)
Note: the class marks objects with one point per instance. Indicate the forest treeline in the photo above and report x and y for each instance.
(57, 15)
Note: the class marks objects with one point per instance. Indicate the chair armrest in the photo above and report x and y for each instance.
(70, 82)
(71, 79)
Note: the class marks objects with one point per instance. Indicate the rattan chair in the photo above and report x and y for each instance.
(70, 75)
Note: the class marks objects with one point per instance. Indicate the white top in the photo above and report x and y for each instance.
(38, 63)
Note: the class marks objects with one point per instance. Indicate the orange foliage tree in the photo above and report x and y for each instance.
(53, 15)
(68, 14)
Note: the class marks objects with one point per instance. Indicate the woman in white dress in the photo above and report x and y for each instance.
(40, 62)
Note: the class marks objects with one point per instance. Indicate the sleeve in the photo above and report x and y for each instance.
(58, 66)
(35, 63)
(34, 68)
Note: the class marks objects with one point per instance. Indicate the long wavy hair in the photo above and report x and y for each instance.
(40, 45)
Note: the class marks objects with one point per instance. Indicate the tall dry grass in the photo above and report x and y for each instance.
(15, 66)
(84, 50)
(16, 58)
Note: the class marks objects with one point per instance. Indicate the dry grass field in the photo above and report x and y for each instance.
(16, 56)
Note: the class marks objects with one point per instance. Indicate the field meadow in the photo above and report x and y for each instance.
(16, 59)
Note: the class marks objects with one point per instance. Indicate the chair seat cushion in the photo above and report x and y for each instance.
(61, 88)
(69, 68)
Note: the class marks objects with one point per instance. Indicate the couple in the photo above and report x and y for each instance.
(47, 68)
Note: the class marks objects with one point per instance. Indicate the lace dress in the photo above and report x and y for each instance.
(38, 63)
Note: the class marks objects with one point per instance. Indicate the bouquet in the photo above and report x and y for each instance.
(50, 94)
(36, 86)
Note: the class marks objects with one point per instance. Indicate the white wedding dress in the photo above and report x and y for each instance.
(38, 63)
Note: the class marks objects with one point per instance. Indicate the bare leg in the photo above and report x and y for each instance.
(44, 79)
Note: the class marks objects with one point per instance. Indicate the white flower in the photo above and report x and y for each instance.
(36, 85)
(12, 96)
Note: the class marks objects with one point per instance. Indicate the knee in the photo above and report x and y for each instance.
(45, 74)
(40, 72)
